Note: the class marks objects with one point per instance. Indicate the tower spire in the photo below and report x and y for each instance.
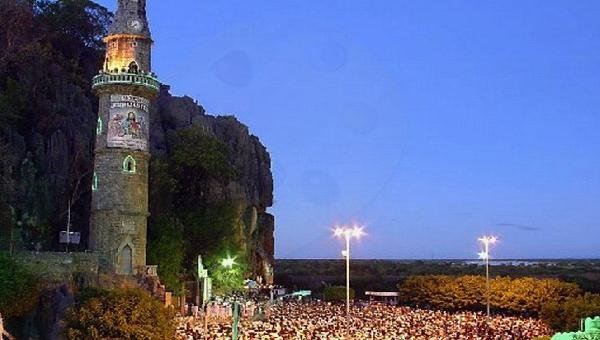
(131, 19)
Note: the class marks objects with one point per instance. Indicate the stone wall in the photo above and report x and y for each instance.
(61, 268)
(119, 208)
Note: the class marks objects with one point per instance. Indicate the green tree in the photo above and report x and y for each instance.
(337, 293)
(166, 249)
(18, 288)
(197, 159)
(227, 280)
(185, 221)
(566, 315)
(210, 229)
(119, 314)
(75, 28)
(49, 50)
(520, 295)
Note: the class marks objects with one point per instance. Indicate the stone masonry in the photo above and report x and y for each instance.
(126, 89)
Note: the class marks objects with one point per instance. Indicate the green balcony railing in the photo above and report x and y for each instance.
(145, 80)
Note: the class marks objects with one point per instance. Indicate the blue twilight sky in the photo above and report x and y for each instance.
(430, 122)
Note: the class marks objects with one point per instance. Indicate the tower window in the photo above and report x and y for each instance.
(99, 126)
(129, 165)
(95, 182)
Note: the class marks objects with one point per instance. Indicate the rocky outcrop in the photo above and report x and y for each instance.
(252, 190)
(48, 124)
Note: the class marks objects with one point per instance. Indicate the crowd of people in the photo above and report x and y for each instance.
(320, 320)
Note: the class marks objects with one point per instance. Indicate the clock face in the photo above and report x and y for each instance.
(135, 25)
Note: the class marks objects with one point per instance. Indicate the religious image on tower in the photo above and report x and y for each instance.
(128, 123)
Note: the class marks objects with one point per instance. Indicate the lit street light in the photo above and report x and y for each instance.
(228, 262)
(347, 233)
(485, 255)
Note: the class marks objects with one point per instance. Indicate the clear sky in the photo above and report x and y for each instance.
(430, 122)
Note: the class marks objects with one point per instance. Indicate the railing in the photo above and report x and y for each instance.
(125, 79)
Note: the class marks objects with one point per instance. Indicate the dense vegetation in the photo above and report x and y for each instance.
(507, 295)
(337, 293)
(384, 275)
(49, 52)
(566, 315)
(187, 223)
(18, 288)
(562, 305)
(560, 291)
(119, 314)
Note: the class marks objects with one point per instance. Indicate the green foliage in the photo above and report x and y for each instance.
(566, 315)
(337, 293)
(49, 50)
(74, 23)
(197, 158)
(18, 288)
(119, 314)
(587, 336)
(179, 183)
(13, 101)
(166, 249)
(210, 229)
(162, 189)
(226, 280)
(7, 190)
(520, 295)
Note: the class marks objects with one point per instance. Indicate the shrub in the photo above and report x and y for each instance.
(337, 293)
(18, 288)
(166, 248)
(119, 314)
(521, 295)
(566, 315)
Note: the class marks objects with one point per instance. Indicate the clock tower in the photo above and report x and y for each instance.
(126, 88)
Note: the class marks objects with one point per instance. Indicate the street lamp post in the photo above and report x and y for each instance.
(228, 263)
(485, 255)
(347, 233)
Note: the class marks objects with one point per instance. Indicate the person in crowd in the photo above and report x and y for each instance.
(320, 320)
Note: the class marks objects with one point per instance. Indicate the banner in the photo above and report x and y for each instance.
(128, 124)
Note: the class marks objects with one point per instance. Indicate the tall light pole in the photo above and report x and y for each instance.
(228, 263)
(485, 255)
(347, 233)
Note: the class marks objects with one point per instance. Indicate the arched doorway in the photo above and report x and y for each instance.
(126, 261)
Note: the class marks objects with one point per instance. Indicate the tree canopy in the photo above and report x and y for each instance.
(119, 314)
(18, 288)
(185, 221)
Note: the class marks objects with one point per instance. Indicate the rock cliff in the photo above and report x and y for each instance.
(47, 131)
(252, 188)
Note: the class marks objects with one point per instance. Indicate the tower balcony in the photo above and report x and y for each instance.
(145, 80)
